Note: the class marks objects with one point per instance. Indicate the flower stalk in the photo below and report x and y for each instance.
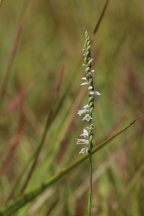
(87, 110)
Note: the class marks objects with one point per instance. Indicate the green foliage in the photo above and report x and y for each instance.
(28, 197)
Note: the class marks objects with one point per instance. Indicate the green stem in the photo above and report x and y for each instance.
(90, 170)
(90, 185)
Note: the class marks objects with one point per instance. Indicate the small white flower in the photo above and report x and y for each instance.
(85, 83)
(92, 71)
(83, 150)
(82, 142)
(95, 93)
(80, 112)
(87, 117)
(90, 87)
(85, 133)
(83, 78)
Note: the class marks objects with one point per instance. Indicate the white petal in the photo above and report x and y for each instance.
(87, 117)
(85, 133)
(90, 87)
(86, 106)
(83, 150)
(95, 93)
(82, 141)
(85, 83)
(92, 71)
(80, 112)
(83, 78)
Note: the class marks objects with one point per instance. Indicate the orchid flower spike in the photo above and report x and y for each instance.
(87, 110)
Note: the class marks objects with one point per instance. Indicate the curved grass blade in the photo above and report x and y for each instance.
(13, 50)
(101, 17)
(28, 197)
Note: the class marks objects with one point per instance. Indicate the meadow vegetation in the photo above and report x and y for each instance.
(41, 171)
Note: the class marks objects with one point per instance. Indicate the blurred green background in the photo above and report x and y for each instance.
(40, 74)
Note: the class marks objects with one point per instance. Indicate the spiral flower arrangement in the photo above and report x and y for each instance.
(87, 110)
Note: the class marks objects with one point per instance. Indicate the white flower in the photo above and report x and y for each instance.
(85, 133)
(83, 78)
(92, 71)
(85, 83)
(86, 106)
(90, 87)
(87, 117)
(83, 150)
(82, 142)
(96, 93)
(80, 112)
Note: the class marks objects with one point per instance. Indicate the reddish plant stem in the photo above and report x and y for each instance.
(13, 51)
(13, 143)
